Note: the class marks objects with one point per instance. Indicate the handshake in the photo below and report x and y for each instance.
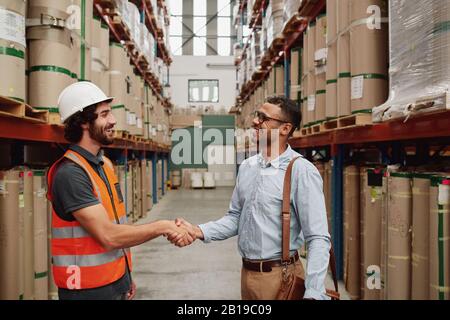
(181, 233)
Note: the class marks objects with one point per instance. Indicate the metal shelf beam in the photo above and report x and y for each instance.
(22, 130)
(426, 126)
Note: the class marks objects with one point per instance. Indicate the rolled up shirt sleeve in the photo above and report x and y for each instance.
(309, 202)
(227, 226)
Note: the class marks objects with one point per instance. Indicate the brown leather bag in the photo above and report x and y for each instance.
(292, 286)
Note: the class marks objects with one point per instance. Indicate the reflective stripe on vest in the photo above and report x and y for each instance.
(76, 232)
(87, 260)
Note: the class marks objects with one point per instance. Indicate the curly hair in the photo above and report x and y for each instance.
(73, 132)
(289, 109)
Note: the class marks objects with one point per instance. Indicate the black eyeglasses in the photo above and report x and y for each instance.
(262, 117)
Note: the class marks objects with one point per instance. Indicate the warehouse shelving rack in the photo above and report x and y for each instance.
(396, 140)
(19, 131)
(117, 30)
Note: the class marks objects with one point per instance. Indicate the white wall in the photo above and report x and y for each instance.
(184, 68)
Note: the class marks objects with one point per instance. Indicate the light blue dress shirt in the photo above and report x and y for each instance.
(255, 215)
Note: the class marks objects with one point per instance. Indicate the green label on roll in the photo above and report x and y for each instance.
(52, 69)
(344, 75)
(119, 106)
(331, 81)
(371, 76)
(39, 275)
(321, 91)
(50, 109)
(12, 52)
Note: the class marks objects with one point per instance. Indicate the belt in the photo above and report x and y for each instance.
(266, 266)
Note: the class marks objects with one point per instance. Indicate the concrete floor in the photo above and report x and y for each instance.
(200, 271)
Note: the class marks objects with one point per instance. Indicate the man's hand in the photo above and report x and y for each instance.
(132, 293)
(180, 236)
(194, 231)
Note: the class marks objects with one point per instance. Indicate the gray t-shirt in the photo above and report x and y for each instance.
(72, 191)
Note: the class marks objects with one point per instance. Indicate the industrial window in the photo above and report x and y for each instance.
(224, 8)
(203, 91)
(199, 7)
(176, 26)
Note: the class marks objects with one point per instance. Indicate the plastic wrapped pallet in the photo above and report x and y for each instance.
(331, 74)
(320, 61)
(399, 215)
(419, 55)
(40, 236)
(439, 238)
(12, 49)
(352, 232)
(420, 237)
(343, 59)
(9, 237)
(371, 212)
(369, 55)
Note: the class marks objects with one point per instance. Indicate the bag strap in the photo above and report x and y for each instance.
(286, 224)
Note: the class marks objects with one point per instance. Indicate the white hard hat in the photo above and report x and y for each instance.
(78, 96)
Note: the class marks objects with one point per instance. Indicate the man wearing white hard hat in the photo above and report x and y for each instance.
(90, 238)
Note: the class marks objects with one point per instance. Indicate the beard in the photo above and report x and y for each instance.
(101, 135)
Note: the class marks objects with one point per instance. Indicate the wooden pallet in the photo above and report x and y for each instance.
(318, 128)
(15, 109)
(122, 134)
(277, 43)
(293, 24)
(354, 120)
(54, 119)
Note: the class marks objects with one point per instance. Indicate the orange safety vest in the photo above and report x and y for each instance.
(78, 260)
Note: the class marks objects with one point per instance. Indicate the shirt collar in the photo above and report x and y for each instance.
(280, 162)
(97, 160)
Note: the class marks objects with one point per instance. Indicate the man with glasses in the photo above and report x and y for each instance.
(254, 214)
